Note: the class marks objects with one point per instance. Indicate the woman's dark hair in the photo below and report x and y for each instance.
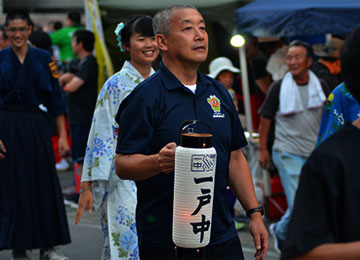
(350, 65)
(18, 15)
(41, 40)
(307, 46)
(136, 24)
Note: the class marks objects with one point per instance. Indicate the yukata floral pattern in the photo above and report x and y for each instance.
(340, 108)
(115, 198)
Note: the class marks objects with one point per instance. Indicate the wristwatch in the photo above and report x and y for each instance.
(258, 209)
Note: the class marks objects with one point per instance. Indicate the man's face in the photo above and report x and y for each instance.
(75, 45)
(297, 61)
(188, 40)
(18, 32)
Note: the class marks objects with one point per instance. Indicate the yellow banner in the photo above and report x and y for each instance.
(93, 23)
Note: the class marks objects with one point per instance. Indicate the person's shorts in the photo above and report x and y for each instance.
(79, 136)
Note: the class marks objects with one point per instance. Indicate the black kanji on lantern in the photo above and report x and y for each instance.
(202, 226)
(203, 200)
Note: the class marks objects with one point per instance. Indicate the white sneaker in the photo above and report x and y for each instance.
(63, 165)
(51, 254)
(20, 255)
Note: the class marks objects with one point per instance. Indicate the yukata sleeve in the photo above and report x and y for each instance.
(101, 141)
(99, 163)
(100, 150)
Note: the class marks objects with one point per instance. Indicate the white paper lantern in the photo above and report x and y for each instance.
(193, 196)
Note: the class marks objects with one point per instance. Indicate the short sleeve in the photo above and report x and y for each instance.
(271, 102)
(87, 68)
(135, 119)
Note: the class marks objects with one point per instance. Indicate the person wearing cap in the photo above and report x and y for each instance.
(223, 70)
(328, 66)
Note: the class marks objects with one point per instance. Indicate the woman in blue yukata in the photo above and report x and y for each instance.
(32, 211)
(100, 186)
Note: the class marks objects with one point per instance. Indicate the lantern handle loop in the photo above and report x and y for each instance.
(188, 123)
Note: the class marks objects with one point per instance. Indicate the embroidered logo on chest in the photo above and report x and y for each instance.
(215, 104)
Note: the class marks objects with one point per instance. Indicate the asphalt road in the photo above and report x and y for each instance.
(87, 235)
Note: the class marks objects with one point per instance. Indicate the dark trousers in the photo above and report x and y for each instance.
(227, 250)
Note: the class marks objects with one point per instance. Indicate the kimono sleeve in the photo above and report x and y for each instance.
(100, 150)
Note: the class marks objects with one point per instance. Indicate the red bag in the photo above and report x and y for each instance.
(275, 204)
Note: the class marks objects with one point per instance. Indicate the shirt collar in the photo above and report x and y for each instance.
(171, 82)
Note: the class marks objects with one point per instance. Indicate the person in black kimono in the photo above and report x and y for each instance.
(32, 212)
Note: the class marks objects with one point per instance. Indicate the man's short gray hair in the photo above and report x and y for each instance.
(162, 19)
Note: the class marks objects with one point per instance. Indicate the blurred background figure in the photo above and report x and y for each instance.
(325, 223)
(41, 40)
(80, 84)
(276, 65)
(295, 103)
(62, 38)
(54, 26)
(223, 70)
(328, 65)
(116, 198)
(259, 79)
(4, 39)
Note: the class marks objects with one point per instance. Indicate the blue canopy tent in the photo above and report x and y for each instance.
(288, 18)
(298, 18)
(267, 18)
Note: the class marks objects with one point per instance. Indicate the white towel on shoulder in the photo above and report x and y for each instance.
(290, 97)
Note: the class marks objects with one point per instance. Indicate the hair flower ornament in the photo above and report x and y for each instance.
(117, 31)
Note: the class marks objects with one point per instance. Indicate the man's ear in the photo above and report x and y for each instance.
(161, 42)
(310, 61)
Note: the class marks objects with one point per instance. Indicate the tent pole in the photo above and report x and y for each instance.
(245, 90)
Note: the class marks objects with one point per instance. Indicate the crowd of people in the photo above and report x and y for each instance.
(123, 141)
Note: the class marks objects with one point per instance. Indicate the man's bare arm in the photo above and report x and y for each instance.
(140, 167)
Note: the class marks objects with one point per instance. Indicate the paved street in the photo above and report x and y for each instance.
(87, 236)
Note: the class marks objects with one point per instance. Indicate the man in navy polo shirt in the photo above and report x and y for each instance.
(149, 122)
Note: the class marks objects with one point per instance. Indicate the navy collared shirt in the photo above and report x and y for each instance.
(151, 117)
